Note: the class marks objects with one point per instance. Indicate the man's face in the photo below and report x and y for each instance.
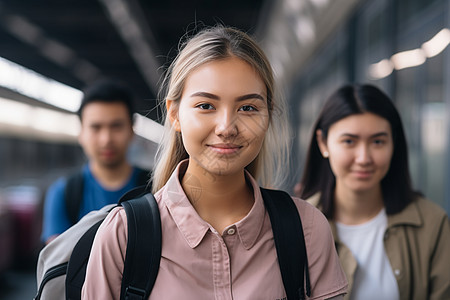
(106, 132)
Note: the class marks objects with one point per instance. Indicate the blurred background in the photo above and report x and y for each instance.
(49, 50)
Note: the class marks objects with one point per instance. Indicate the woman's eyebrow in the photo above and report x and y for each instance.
(250, 96)
(205, 95)
(378, 134)
(240, 98)
(383, 133)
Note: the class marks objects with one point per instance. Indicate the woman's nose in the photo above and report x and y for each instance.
(226, 125)
(363, 155)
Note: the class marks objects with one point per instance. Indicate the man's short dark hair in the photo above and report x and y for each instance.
(108, 91)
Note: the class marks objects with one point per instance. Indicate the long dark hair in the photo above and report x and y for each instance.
(318, 176)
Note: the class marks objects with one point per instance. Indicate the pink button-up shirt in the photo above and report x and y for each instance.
(197, 262)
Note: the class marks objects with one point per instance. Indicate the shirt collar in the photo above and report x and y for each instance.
(193, 227)
(410, 215)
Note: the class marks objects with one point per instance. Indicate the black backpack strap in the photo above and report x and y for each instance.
(143, 247)
(73, 195)
(143, 177)
(76, 269)
(140, 269)
(289, 242)
(135, 193)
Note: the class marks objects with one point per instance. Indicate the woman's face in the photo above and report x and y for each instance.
(222, 116)
(360, 149)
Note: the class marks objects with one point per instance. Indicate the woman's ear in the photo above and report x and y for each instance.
(321, 143)
(172, 113)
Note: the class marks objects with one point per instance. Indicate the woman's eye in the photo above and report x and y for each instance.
(248, 108)
(378, 142)
(205, 106)
(348, 142)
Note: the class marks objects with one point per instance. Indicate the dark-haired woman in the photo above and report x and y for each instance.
(392, 243)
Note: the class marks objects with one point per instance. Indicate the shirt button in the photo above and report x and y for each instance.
(231, 231)
(397, 272)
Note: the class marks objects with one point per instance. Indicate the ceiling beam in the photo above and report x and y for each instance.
(128, 19)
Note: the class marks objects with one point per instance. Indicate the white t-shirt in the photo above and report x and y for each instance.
(374, 278)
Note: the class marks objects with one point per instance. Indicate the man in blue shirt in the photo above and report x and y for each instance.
(106, 115)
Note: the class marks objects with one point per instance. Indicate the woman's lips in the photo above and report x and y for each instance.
(225, 148)
(363, 174)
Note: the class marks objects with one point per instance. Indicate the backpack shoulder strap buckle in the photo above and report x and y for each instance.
(132, 293)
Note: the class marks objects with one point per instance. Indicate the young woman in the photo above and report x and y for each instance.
(392, 243)
(225, 133)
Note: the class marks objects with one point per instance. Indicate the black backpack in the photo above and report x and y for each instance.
(141, 269)
(73, 193)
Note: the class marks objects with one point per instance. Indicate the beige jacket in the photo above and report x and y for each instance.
(417, 243)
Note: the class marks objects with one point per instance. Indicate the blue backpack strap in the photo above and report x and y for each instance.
(143, 247)
(289, 242)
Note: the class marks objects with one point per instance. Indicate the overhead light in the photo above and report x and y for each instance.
(32, 120)
(437, 44)
(55, 122)
(148, 128)
(14, 113)
(381, 69)
(411, 58)
(407, 59)
(29, 83)
(36, 86)
(36, 121)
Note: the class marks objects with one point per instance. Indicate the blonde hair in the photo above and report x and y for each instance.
(218, 43)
